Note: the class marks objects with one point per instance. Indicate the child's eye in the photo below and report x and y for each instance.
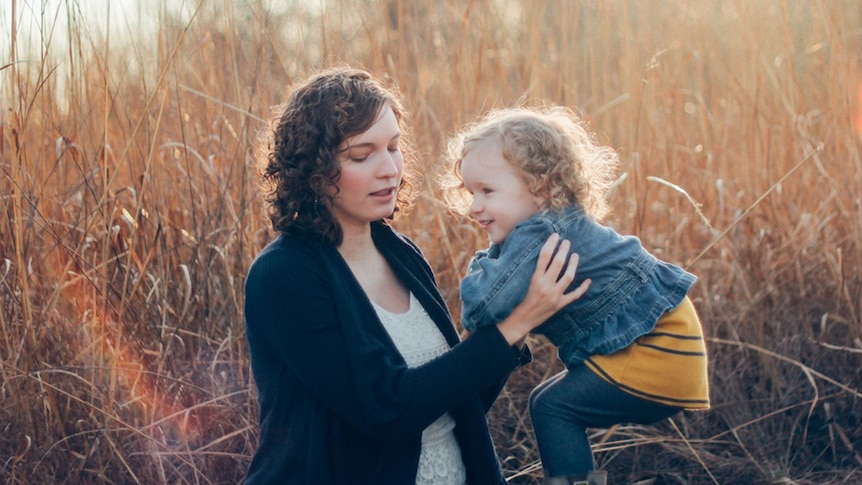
(486, 191)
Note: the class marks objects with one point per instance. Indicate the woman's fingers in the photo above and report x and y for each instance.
(555, 271)
(559, 271)
(560, 262)
(568, 277)
(546, 253)
(578, 292)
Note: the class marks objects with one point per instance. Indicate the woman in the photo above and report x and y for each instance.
(360, 373)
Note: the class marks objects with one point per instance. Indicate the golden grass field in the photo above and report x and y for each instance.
(131, 212)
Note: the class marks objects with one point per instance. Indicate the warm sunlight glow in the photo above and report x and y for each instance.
(135, 379)
(857, 113)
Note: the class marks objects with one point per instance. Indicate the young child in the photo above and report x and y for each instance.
(633, 344)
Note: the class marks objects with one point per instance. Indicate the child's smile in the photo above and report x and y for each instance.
(501, 197)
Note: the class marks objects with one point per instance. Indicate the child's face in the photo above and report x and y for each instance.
(501, 198)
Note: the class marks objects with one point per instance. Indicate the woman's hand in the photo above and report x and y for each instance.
(547, 293)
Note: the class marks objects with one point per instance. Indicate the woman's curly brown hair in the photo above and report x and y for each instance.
(558, 158)
(300, 151)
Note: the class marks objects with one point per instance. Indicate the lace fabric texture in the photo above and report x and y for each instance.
(419, 341)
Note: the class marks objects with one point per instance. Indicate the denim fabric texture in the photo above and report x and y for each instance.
(630, 289)
(564, 406)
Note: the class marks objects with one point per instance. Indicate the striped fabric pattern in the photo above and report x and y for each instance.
(668, 365)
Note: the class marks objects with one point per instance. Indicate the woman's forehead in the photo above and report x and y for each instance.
(384, 129)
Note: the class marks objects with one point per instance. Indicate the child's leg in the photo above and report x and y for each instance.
(561, 436)
(564, 406)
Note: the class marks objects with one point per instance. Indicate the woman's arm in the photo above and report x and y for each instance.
(295, 326)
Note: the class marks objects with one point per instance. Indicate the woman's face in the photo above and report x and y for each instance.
(371, 168)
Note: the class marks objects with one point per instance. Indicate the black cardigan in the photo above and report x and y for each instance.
(338, 404)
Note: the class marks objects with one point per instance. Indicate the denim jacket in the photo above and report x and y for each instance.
(630, 290)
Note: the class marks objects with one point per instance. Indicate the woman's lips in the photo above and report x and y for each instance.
(384, 193)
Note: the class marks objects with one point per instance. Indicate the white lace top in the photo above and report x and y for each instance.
(419, 341)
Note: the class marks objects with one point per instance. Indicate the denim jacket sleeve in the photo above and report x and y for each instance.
(497, 278)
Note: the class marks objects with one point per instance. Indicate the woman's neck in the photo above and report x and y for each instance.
(373, 272)
(357, 245)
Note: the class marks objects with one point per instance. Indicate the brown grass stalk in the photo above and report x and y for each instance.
(130, 211)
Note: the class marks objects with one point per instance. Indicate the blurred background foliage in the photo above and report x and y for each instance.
(131, 211)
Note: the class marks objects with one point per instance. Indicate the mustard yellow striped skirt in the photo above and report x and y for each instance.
(667, 365)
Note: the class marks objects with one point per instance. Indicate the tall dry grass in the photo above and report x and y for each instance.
(130, 214)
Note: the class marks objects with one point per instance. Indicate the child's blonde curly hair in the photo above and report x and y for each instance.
(550, 146)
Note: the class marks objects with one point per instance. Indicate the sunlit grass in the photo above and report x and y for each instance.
(130, 213)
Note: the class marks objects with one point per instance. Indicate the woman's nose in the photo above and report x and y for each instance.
(389, 165)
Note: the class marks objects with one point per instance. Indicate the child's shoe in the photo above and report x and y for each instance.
(597, 477)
